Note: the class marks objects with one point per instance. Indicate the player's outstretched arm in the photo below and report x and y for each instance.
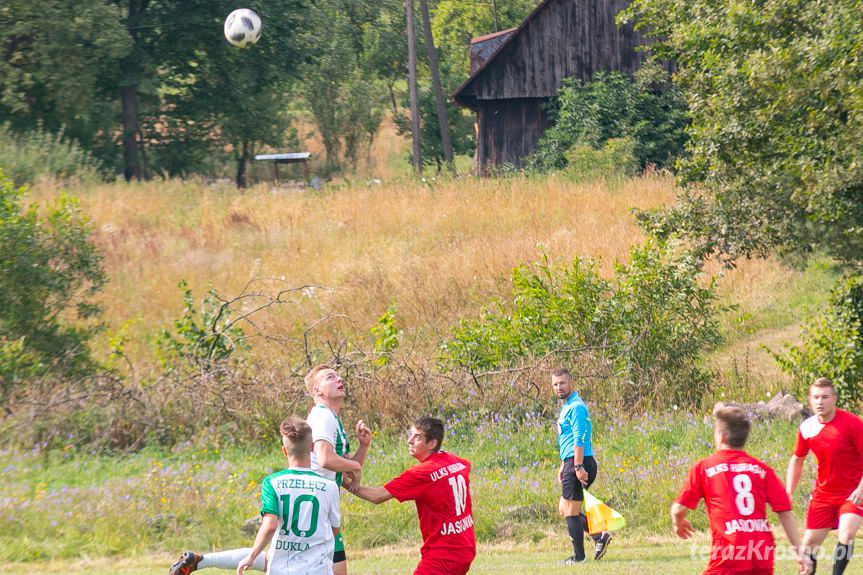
(374, 495)
(682, 525)
(269, 525)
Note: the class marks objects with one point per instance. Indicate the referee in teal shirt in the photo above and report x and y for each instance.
(577, 466)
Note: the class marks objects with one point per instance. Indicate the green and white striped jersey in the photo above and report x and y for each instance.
(327, 426)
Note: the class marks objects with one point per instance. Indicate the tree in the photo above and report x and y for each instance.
(437, 90)
(456, 22)
(385, 48)
(53, 55)
(343, 94)
(49, 273)
(213, 95)
(413, 91)
(773, 90)
(463, 138)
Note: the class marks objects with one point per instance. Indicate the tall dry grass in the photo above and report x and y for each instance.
(439, 252)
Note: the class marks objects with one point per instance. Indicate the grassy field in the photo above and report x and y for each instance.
(68, 508)
(661, 556)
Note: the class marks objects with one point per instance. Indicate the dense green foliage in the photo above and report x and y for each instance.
(640, 336)
(832, 345)
(614, 161)
(647, 109)
(773, 93)
(455, 23)
(345, 96)
(196, 94)
(49, 273)
(55, 58)
(153, 87)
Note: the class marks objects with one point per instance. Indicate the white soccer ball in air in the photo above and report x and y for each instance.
(243, 27)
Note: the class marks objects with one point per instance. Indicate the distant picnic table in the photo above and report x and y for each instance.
(292, 158)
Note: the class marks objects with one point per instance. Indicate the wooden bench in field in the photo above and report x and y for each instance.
(293, 158)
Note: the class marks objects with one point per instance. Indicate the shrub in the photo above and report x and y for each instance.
(49, 274)
(645, 108)
(831, 345)
(40, 154)
(197, 345)
(642, 333)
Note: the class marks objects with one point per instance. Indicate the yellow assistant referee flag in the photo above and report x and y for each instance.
(601, 517)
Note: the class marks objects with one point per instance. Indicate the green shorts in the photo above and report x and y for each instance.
(339, 549)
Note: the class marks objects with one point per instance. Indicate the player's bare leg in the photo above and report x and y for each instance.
(811, 545)
(568, 507)
(340, 568)
(229, 559)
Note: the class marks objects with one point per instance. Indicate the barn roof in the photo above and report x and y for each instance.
(482, 47)
(557, 40)
(510, 34)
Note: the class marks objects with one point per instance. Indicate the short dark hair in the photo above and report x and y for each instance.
(561, 371)
(432, 428)
(296, 435)
(824, 383)
(733, 424)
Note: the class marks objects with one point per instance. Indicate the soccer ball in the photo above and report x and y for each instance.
(243, 27)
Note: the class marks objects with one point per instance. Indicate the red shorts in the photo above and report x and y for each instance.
(443, 564)
(753, 571)
(825, 514)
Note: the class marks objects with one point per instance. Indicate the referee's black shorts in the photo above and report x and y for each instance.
(571, 486)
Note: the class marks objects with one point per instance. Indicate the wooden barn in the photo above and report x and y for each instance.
(514, 72)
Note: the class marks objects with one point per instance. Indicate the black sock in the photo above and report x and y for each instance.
(594, 536)
(814, 563)
(576, 533)
(841, 557)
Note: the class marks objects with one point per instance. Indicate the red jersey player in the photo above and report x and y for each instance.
(440, 486)
(736, 488)
(836, 438)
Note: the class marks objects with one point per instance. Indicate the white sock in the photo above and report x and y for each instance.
(231, 558)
